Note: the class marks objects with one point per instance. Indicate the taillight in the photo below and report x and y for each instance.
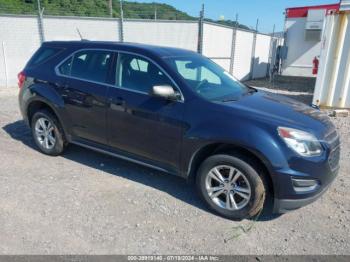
(21, 77)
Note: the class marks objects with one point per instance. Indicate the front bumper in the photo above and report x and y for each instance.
(282, 206)
(304, 180)
(292, 184)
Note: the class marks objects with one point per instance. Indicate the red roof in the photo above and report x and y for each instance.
(302, 11)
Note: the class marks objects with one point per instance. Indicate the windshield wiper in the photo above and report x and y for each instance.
(252, 89)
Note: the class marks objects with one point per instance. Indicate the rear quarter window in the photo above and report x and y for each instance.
(43, 54)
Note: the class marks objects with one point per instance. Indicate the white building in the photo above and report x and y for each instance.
(333, 80)
(304, 27)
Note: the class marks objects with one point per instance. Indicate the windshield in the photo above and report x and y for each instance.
(207, 78)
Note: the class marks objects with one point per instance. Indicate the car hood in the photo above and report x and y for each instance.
(284, 111)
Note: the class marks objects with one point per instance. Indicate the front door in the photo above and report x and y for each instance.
(138, 123)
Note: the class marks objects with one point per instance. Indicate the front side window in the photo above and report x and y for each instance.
(207, 78)
(138, 74)
(90, 65)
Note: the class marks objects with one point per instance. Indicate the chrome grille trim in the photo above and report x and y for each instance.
(334, 158)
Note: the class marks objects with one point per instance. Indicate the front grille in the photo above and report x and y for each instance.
(331, 135)
(334, 158)
(332, 138)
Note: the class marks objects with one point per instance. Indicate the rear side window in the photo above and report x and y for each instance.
(65, 68)
(43, 54)
(90, 65)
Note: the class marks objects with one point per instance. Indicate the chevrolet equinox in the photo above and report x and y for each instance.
(178, 112)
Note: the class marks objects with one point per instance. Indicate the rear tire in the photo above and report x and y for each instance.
(47, 133)
(232, 186)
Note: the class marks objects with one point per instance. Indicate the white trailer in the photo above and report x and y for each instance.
(333, 79)
(304, 27)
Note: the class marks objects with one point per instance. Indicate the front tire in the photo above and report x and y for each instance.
(232, 186)
(47, 133)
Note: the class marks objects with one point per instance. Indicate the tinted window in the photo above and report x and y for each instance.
(139, 65)
(43, 54)
(65, 68)
(90, 65)
(139, 74)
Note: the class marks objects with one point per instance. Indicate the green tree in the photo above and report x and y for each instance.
(100, 8)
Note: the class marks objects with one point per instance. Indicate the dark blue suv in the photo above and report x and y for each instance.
(177, 111)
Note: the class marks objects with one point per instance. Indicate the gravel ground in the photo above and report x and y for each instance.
(288, 83)
(88, 203)
(301, 88)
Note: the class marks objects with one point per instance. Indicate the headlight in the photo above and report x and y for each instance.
(305, 144)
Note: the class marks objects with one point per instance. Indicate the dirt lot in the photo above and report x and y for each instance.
(88, 203)
(301, 88)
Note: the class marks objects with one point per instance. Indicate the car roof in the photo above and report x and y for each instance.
(159, 51)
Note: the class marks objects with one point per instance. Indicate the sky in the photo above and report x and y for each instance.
(269, 12)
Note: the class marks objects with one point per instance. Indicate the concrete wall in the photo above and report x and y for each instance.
(163, 33)
(261, 56)
(20, 38)
(217, 44)
(243, 55)
(301, 53)
(65, 28)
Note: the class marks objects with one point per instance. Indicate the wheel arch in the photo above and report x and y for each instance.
(223, 148)
(40, 104)
(40, 95)
(37, 105)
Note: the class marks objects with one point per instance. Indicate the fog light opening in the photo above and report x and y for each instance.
(304, 185)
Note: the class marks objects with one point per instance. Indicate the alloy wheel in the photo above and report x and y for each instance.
(44, 132)
(228, 187)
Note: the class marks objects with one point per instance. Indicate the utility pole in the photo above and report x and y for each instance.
(5, 63)
(39, 8)
(110, 6)
(155, 13)
(200, 31)
(271, 60)
(252, 63)
(121, 9)
(40, 22)
(121, 22)
(233, 45)
(200, 39)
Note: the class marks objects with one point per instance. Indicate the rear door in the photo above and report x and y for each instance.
(87, 75)
(138, 123)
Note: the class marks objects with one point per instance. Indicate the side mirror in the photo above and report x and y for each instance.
(164, 91)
